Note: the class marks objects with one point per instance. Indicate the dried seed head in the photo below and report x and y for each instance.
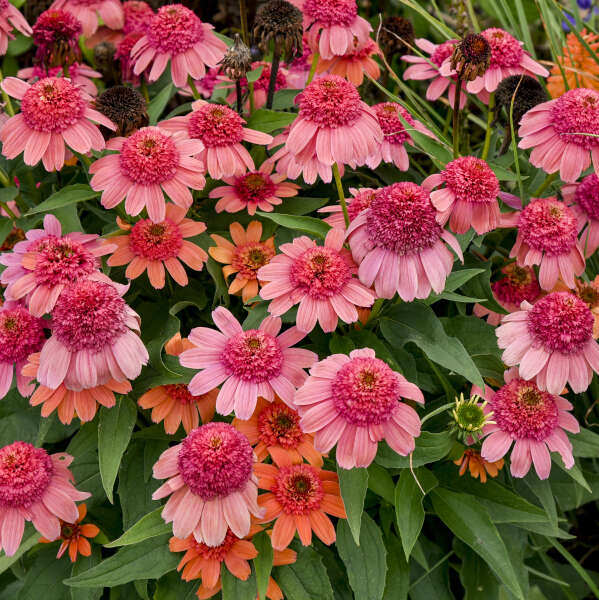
(281, 22)
(237, 60)
(125, 107)
(526, 91)
(396, 36)
(471, 57)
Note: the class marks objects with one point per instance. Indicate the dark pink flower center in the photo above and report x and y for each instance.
(388, 114)
(442, 52)
(137, 16)
(561, 322)
(216, 552)
(21, 334)
(278, 425)
(471, 179)
(215, 460)
(174, 29)
(253, 355)
(506, 51)
(362, 200)
(60, 261)
(402, 219)
(331, 12)
(576, 113)
(320, 272)
(587, 196)
(298, 489)
(519, 284)
(254, 187)
(155, 241)
(180, 393)
(216, 125)
(25, 474)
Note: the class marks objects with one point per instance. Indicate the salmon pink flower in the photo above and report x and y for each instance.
(40, 267)
(469, 197)
(355, 402)
(320, 278)
(211, 484)
(56, 36)
(11, 17)
(260, 85)
(54, 113)
(81, 75)
(551, 342)
(255, 190)
(252, 363)
(175, 33)
(583, 199)
(149, 162)
(300, 498)
(88, 11)
(398, 244)
(153, 246)
(354, 63)
(221, 131)
(534, 420)
(34, 486)
(123, 56)
(93, 339)
(274, 430)
(361, 199)
(563, 133)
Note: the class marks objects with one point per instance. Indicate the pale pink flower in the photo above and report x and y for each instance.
(252, 363)
(583, 199)
(177, 35)
(42, 265)
(422, 69)
(88, 11)
(211, 483)
(398, 244)
(319, 278)
(255, 190)
(563, 133)
(21, 334)
(469, 197)
(10, 17)
(361, 199)
(221, 131)
(149, 162)
(533, 420)
(355, 402)
(54, 113)
(94, 338)
(80, 74)
(552, 342)
(396, 135)
(34, 486)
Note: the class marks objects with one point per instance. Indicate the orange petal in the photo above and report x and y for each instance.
(322, 526)
(237, 234)
(283, 532)
(254, 231)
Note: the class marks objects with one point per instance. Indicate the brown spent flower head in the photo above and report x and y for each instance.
(528, 93)
(396, 36)
(281, 22)
(237, 60)
(471, 57)
(125, 107)
(104, 60)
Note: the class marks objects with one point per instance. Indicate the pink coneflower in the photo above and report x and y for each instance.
(353, 64)
(507, 58)
(138, 16)
(80, 75)
(221, 130)
(563, 133)
(336, 21)
(153, 246)
(210, 477)
(469, 197)
(177, 35)
(56, 35)
(88, 11)
(583, 199)
(398, 244)
(392, 149)
(547, 236)
(21, 334)
(252, 363)
(319, 278)
(149, 162)
(10, 17)
(261, 84)
(93, 339)
(256, 190)
(54, 112)
(123, 55)
(552, 342)
(533, 419)
(361, 199)
(34, 486)
(355, 402)
(333, 125)
(422, 68)
(40, 267)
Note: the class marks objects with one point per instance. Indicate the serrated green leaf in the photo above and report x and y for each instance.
(263, 562)
(71, 194)
(353, 484)
(309, 225)
(149, 526)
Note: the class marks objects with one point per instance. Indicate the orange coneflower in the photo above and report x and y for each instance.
(74, 536)
(244, 256)
(477, 465)
(299, 498)
(274, 429)
(579, 66)
(354, 63)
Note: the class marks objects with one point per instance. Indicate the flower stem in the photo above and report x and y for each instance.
(243, 12)
(456, 117)
(144, 90)
(341, 194)
(239, 99)
(251, 95)
(548, 181)
(437, 411)
(8, 211)
(315, 59)
(10, 111)
(274, 69)
(194, 90)
(490, 116)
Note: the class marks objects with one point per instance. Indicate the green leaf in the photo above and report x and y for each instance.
(430, 146)
(254, 75)
(84, 563)
(480, 286)
(268, 121)
(409, 512)
(381, 483)
(398, 575)
(417, 323)
(43, 577)
(263, 562)
(6, 226)
(575, 473)
(309, 225)
(114, 433)
(148, 560)
(30, 539)
(159, 102)
(152, 525)
(71, 194)
(430, 447)
(475, 575)
(300, 205)
(366, 564)
(284, 99)
(585, 444)
(470, 522)
(172, 587)
(353, 484)
(236, 589)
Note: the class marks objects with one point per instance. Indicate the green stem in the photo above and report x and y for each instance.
(4, 180)
(8, 211)
(10, 111)
(341, 194)
(144, 90)
(456, 117)
(194, 90)
(548, 181)
(490, 116)
(437, 411)
(315, 59)
(251, 95)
